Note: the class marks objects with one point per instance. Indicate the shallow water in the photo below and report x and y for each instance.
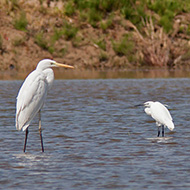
(94, 137)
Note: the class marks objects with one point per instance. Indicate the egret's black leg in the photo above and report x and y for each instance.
(158, 131)
(40, 131)
(26, 136)
(162, 130)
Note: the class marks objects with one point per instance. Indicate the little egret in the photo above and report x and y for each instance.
(160, 114)
(32, 95)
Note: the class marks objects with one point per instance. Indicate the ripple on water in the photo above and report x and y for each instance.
(95, 138)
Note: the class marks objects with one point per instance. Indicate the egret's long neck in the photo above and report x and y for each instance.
(39, 68)
(49, 77)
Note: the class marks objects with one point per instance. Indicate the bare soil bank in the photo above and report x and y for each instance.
(92, 49)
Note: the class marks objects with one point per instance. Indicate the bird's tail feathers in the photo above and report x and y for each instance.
(23, 128)
(21, 125)
(17, 127)
(170, 125)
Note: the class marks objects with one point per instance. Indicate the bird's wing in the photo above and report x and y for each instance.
(49, 77)
(161, 114)
(162, 110)
(30, 99)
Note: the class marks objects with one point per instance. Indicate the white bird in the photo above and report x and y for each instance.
(32, 95)
(160, 114)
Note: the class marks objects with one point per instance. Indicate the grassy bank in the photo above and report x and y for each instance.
(95, 34)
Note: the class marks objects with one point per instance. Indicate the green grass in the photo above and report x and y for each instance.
(58, 33)
(69, 9)
(95, 11)
(125, 47)
(20, 23)
(135, 12)
(109, 5)
(101, 43)
(161, 7)
(103, 56)
(167, 23)
(168, 9)
(108, 23)
(93, 17)
(41, 41)
(76, 41)
(62, 51)
(69, 31)
(49, 45)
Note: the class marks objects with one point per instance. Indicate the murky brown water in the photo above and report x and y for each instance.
(95, 138)
(110, 74)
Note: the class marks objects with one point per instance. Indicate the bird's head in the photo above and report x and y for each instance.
(148, 104)
(48, 63)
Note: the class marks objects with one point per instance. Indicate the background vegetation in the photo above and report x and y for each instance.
(95, 34)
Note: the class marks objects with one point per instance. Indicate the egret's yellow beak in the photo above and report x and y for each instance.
(64, 65)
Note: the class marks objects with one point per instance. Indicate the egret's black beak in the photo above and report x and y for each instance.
(139, 105)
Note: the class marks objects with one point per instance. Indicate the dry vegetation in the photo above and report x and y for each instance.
(93, 36)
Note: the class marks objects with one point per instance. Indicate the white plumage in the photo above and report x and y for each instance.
(33, 92)
(30, 99)
(160, 114)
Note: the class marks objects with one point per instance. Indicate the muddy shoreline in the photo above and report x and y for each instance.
(104, 74)
(30, 32)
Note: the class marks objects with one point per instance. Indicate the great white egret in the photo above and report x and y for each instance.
(32, 95)
(160, 114)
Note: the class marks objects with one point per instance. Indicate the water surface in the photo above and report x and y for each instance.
(94, 137)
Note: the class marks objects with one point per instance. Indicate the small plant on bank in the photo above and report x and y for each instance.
(103, 56)
(58, 33)
(62, 51)
(167, 23)
(41, 41)
(135, 13)
(167, 11)
(124, 47)
(101, 43)
(108, 23)
(69, 31)
(109, 5)
(77, 41)
(69, 9)
(93, 17)
(21, 22)
(19, 41)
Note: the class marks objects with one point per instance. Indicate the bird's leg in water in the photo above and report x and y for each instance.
(162, 130)
(26, 136)
(40, 131)
(158, 131)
